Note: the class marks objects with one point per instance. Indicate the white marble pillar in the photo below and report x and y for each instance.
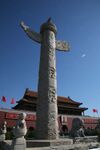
(46, 122)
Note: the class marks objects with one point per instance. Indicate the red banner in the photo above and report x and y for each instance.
(90, 121)
(29, 117)
(12, 116)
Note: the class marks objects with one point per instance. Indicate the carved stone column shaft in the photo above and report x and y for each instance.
(47, 125)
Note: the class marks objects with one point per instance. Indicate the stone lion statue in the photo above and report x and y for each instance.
(3, 131)
(20, 129)
(77, 129)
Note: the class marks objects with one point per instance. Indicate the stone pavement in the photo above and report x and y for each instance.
(70, 147)
(84, 143)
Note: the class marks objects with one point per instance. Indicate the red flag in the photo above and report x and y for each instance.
(12, 101)
(3, 99)
(95, 110)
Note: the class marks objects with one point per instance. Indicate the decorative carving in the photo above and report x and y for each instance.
(51, 50)
(32, 34)
(52, 94)
(52, 40)
(52, 73)
(51, 37)
(62, 46)
(49, 25)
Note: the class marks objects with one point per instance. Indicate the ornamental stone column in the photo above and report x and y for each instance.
(46, 121)
(47, 124)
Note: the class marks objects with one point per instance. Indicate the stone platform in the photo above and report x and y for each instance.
(83, 143)
(69, 147)
(48, 143)
(62, 141)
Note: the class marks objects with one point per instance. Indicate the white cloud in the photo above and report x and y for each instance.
(83, 55)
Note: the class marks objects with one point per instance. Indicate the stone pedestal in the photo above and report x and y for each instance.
(49, 143)
(2, 137)
(18, 144)
(5, 146)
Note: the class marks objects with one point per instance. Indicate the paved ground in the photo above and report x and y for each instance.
(90, 146)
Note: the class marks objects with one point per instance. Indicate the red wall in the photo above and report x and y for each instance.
(11, 118)
(90, 122)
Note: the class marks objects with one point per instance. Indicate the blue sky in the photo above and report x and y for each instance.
(78, 71)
